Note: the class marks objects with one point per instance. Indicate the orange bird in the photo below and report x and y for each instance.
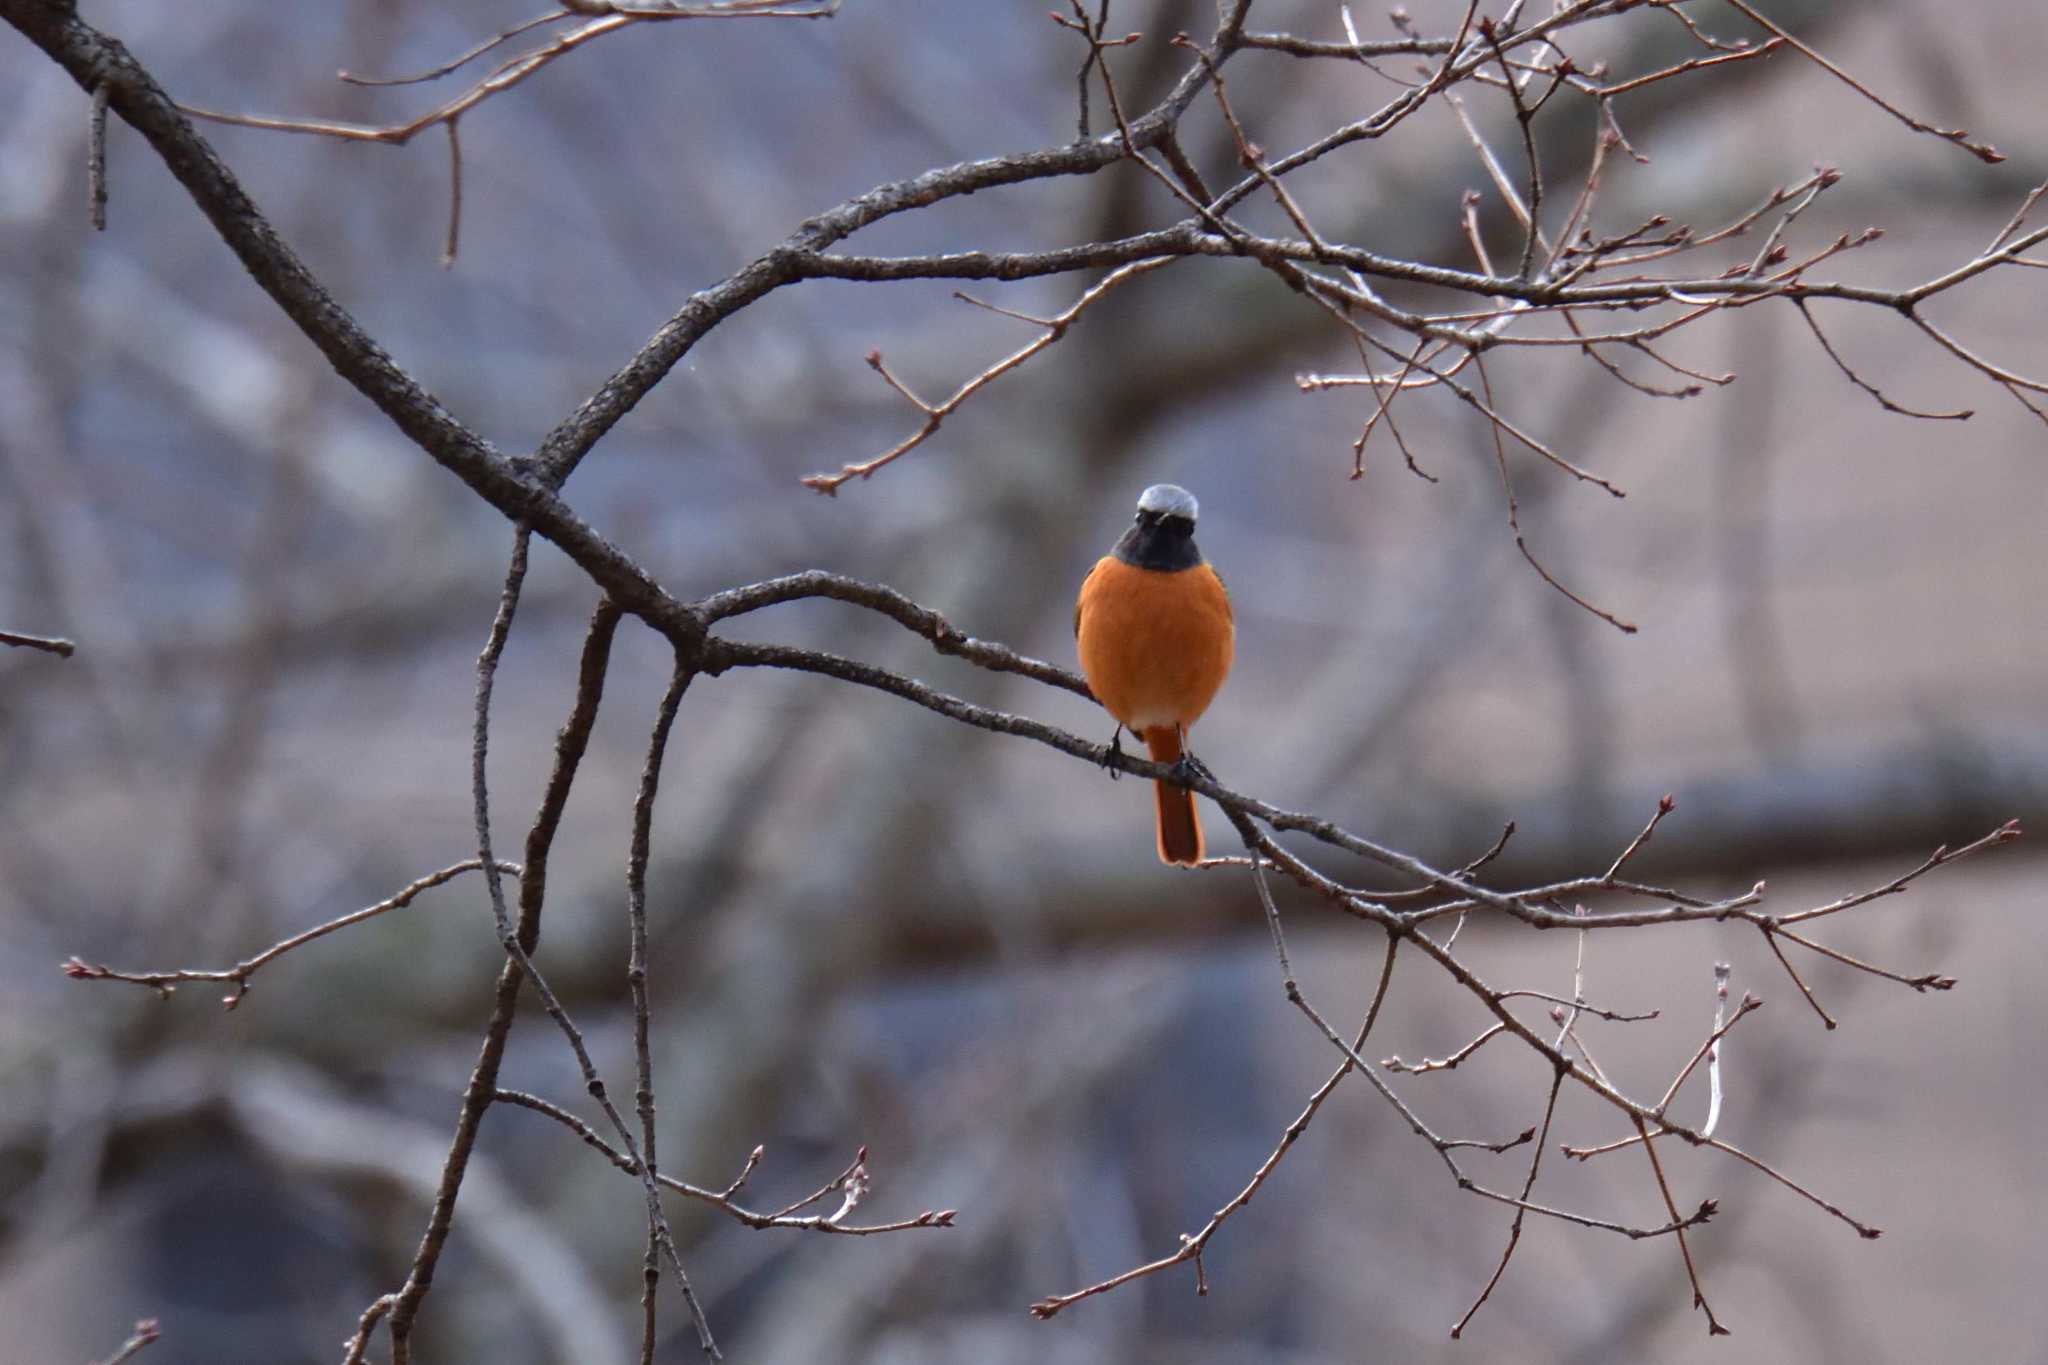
(1156, 639)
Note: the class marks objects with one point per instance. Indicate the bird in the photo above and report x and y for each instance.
(1154, 630)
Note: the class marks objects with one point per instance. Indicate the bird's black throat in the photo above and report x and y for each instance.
(1162, 544)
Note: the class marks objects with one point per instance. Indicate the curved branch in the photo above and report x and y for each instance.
(921, 621)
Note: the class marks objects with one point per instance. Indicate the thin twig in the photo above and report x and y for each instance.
(1709, 1047)
(1507, 486)
(722, 1200)
(454, 237)
(1699, 1296)
(456, 63)
(517, 951)
(1942, 856)
(571, 744)
(96, 159)
(1525, 116)
(1665, 805)
(935, 414)
(146, 1331)
(636, 980)
(1926, 981)
(1862, 1229)
(1521, 1214)
(1579, 1004)
(1447, 1063)
(1356, 51)
(1799, 981)
(239, 974)
(1763, 49)
(604, 19)
(1191, 1247)
(1961, 137)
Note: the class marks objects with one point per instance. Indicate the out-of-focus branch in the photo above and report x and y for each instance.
(604, 17)
(238, 975)
(49, 644)
(95, 60)
(570, 745)
(1191, 1247)
(803, 254)
(1983, 151)
(722, 1200)
(520, 956)
(659, 1238)
(146, 1332)
(936, 413)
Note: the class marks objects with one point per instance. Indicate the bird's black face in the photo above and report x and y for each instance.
(1164, 523)
(1159, 540)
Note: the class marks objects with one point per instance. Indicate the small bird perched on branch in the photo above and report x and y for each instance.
(1156, 639)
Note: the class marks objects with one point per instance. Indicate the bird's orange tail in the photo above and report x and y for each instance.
(1180, 833)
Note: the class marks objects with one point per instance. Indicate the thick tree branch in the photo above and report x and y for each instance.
(1531, 907)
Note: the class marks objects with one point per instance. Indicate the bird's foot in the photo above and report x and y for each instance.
(1115, 755)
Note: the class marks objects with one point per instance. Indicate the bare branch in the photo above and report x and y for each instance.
(96, 165)
(605, 18)
(1691, 64)
(519, 954)
(936, 414)
(1447, 1063)
(570, 745)
(146, 1331)
(1961, 137)
(1665, 805)
(1699, 1297)
(454, 194)
(1191, 1247)
(1356, 51)
(1942, 856)
(637, 854)
(1500, 456)
(722, 1200)
(49, 644)
(1521, 1213)
(239, 974)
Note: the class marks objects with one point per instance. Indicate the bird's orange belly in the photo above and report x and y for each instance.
(1156, 646)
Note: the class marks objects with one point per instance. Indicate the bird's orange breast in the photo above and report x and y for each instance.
(1155, 646)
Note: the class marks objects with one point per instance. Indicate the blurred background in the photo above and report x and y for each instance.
(874, 926)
